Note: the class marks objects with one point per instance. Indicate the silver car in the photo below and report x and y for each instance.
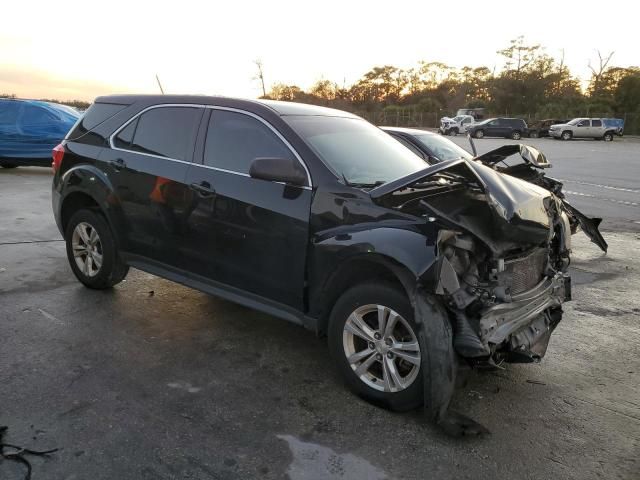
(583, 128)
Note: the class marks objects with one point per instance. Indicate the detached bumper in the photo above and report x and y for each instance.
(499, 322)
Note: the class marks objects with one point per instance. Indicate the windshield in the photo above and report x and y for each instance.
(574, 121)
(443, 148)
(356, 150)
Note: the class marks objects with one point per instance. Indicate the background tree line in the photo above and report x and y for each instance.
(532, 84)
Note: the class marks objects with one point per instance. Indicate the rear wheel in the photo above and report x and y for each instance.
(479, 134)
(92, 252)
(374, 343)
(515, 135)
(566, 135)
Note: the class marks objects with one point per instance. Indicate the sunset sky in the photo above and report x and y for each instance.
(70, 49)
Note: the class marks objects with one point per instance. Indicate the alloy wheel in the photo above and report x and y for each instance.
(381, 348)
(87, 249)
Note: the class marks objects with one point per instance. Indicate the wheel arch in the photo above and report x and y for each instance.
(86, 186)
(401, 255)
(354, 271)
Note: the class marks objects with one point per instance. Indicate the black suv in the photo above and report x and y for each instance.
(514, 128)
(318, 217)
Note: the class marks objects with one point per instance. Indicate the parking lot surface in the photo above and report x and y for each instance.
(152, 380)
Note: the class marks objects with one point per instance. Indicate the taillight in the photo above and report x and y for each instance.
(58, 155)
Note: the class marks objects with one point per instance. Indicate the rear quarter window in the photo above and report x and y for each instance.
(96, 114)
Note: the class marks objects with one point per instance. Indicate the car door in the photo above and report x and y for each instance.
(247, 233)
(597, 130)
(583, 129)
(147, 164)
(493, 128)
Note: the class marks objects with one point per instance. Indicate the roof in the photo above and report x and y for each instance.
(279, 107)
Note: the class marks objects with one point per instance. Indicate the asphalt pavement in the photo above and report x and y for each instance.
(153, 380)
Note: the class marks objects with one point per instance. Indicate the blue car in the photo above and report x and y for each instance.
(30, 129)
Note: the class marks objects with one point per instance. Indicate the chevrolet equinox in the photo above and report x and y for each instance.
(318, 217)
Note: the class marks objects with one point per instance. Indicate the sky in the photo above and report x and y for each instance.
(69, 49)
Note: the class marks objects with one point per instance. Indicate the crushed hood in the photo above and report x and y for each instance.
(519, 195)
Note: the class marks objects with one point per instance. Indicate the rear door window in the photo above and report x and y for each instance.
(164, 132)
(234, 140)
(596, 123)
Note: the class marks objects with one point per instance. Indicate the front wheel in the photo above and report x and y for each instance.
(567, 135)
(92, 252)
(373, 340)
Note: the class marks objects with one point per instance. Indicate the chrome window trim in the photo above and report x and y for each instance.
(212, 107)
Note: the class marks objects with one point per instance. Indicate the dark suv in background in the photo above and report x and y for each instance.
(514, 128)
(318, 217)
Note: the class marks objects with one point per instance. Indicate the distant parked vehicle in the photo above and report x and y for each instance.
(454, 126)
(514, 128)
(476, 113)
(30, 129)
(540, 128)
(597, 128)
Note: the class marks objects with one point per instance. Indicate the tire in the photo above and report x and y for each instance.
(566, 135)
(453, 132)
(534, 134)
(89, 235)
(403, 395)
(479, 134)
(516, 135)
(608, 137)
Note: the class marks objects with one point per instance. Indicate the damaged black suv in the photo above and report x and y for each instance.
(316, 216)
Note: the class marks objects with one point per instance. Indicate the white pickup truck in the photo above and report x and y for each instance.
(597, 128)
(455, 125)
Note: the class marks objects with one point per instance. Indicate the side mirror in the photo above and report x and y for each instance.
(278, 170)
(534, 156)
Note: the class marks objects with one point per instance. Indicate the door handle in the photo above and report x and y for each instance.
(118, 164)
(203, 189)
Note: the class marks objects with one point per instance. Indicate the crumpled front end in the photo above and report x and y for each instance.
(502, 307)
(503, 251)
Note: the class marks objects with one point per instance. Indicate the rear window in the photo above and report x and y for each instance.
(165, 132)
(94, 116)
